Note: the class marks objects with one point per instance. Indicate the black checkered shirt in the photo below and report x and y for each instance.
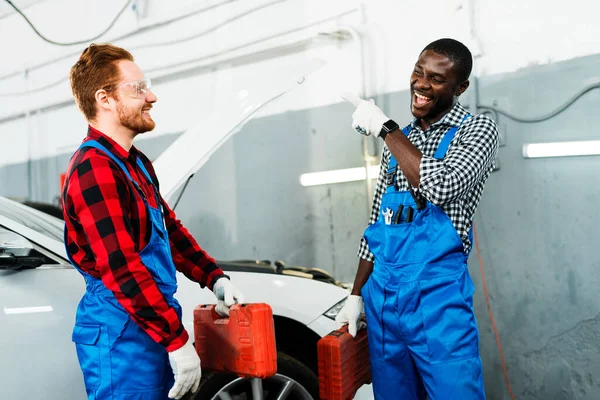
(454, 183)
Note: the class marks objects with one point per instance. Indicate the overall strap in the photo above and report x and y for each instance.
(96, 145)
(145, 171)
(442, 149)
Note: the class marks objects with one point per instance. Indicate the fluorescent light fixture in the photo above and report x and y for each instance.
(27, 310)
(561, 149)
(339, 176)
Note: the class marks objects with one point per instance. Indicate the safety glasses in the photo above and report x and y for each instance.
(137, 89)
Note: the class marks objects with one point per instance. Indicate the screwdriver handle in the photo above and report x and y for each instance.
(398, 218)
(409, 214)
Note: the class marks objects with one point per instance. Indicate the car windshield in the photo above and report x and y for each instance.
(31, 218)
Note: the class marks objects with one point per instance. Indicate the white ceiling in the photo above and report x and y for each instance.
(6, 9)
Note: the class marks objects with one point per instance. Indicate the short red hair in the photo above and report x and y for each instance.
(97, 68)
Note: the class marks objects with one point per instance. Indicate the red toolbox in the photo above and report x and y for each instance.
(243, 344)
(343, 364)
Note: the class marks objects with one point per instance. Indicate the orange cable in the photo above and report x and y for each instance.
(489, 307)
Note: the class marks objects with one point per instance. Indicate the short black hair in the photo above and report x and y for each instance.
(456, 52)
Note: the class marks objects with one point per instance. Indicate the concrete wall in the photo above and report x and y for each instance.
(538, 225)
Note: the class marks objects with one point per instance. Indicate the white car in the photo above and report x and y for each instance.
(40, 290)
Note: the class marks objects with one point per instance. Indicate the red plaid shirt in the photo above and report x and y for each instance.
(107, 227)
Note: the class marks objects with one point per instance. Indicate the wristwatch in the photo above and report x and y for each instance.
(388, 127)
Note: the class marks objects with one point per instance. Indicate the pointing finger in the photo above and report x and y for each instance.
(351, 98)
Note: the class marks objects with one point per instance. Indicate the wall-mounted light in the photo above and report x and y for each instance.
(561, 149)
(339, 176)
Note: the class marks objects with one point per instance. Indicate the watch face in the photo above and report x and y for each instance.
(390, 126)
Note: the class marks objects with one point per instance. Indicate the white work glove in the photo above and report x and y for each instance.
(227, 295)
(368, 119)
(186, 369)
(350, 314)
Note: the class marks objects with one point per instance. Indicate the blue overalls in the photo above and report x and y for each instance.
(418, 300)
(118, 359)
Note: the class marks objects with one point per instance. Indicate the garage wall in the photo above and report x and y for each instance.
(538, 227)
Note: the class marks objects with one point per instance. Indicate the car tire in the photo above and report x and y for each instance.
(287, 367)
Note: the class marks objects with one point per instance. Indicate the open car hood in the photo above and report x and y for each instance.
(192, 149)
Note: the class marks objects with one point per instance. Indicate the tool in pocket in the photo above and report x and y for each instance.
(388, 214)
(398, 218)
(409, 214)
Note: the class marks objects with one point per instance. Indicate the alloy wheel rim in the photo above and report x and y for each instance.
(285, 387)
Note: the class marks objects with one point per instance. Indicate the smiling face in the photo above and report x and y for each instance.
(134, 99)
(434, 87)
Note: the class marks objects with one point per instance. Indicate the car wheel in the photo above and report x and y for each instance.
(293, 381)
